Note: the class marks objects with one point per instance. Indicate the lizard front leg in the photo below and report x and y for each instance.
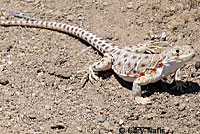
(178, 79)
(103, 65)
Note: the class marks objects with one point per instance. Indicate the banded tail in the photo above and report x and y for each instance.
(98, 43)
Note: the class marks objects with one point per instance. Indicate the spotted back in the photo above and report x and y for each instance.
(129, 65)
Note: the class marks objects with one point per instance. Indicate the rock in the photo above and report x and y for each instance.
(130, 5)
(70, 17)
(3, 81)
(105, 3)
(79, 129)
(101, 119)
(121, 122)
(181, 107)
(107, 125)
(197, 65)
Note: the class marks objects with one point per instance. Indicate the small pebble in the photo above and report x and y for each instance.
(176, 103)
(101, 119)
(107, 125)
(79, 129)
(10, 62)
(105, 3)
(130, 5)
(181, 107)
(4, 81)
(197, 65)
(70, 17)
(121, 122)
(1, 67)
(47, 107)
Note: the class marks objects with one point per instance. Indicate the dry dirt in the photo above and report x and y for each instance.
(40, 89)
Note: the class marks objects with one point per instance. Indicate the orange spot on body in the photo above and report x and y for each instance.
(163, 57)
(142, 74)
(160, 64)
(153, 70)
(135, 76)
(127, 74)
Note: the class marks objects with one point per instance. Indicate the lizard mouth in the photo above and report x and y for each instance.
(185, 57)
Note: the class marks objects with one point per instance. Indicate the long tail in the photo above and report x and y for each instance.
(96, 42)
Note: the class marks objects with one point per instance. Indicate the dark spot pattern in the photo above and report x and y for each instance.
(99, 42)
(129, 64)
(118, 53)
(134, 57)
(106, 47)
(103, 45)
(135, 64)
(126, 55)
(112, 50)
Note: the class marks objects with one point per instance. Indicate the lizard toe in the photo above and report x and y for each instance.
(141, 100)
(179, 85)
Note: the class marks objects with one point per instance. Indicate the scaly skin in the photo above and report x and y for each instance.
(131, 65)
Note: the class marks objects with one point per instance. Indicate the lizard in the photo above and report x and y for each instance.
(131, 65)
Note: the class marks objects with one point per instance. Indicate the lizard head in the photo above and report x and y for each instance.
(178, 55)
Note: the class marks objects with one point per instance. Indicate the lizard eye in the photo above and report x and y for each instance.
(177, 52)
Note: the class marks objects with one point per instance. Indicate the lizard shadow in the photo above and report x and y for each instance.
(160, 86)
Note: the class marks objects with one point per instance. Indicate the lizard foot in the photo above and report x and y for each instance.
(141, 100)
(90, 75)
(179, 85)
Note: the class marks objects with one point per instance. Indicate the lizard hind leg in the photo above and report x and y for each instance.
(137, 94)
(104, 64)
(148, 47)
(136, 89)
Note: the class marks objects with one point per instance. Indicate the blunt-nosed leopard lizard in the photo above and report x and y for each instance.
(132, 66)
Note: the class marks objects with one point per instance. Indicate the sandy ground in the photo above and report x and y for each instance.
(40, 90)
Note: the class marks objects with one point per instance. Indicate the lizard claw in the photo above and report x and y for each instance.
(179, 85)
(90, 75)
